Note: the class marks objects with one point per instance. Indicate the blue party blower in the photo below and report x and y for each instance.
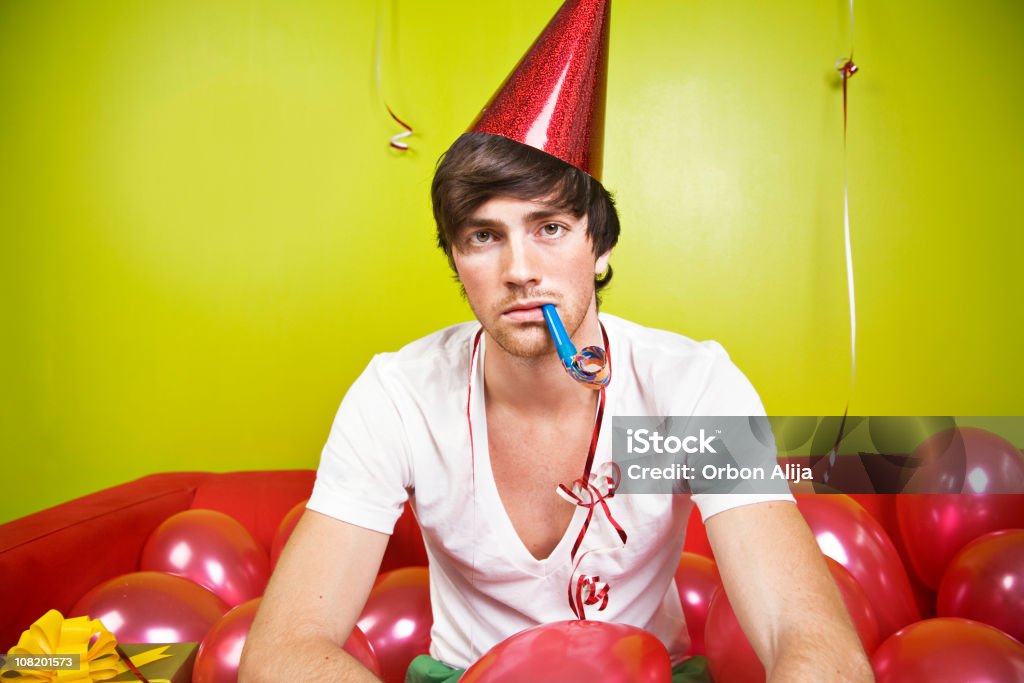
(563, 345)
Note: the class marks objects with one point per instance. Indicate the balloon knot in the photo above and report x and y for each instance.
(846, 68)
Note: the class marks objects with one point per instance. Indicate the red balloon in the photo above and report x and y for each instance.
(575, 652)
(858, 606)
(731, 657)
(405, 548)
(853, 538)
(967, 460)
(221, 651)
(397, 620)
(696, 580)
(152, 607)
(696, 536)
(879, 506)
(936, 527)
(985, 582)
(284, 531)
(949, 649)
(882, 507)
(359, 646)
(212, 549)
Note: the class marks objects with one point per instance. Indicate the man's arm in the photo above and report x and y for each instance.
(313, 600)
(784, 596)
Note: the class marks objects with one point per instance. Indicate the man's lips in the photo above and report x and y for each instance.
(525, 313)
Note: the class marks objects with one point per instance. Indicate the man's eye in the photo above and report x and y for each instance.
(552, 229)
(480, 237)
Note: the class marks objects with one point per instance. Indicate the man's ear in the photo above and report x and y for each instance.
(602, 263)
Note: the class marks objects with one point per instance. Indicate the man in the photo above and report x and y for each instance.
(478, 425)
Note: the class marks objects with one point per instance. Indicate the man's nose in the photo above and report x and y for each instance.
(521, 266)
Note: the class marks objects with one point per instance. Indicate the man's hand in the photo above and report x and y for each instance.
(313, 600)
(784, 596)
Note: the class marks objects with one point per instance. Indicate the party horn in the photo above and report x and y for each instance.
(576, 364)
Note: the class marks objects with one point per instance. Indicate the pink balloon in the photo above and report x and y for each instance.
(696, 580)
(575, 652)
(967, 460)
(284, 531)
(152, 607)
(936, 527)
(949, 649)
(853, 538)
(221, 651)
(985, 582)
(731, 657)
(397, 620)
(212, 549)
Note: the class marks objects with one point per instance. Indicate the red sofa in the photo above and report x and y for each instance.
(49, 559)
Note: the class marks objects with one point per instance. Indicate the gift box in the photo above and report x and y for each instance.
(177, 668)
(100, 657)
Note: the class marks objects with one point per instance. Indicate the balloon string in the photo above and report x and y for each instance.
(847, 68)
(396, 140)
(853, 28)
(850, 286)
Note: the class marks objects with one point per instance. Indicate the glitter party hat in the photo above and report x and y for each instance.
(554, 99)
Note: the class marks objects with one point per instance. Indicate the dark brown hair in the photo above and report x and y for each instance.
(480, 166)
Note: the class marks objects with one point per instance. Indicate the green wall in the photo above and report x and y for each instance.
(205, 236)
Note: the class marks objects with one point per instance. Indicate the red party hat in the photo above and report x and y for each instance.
(554, 99)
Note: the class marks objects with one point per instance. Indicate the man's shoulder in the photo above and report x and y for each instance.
(441, 354)
(699, 376)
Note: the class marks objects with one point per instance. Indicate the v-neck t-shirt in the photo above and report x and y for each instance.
(403, 433)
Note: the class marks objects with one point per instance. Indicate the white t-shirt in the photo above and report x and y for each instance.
(402, 431)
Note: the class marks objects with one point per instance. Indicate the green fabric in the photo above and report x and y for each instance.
(426, 669)
(692, 670)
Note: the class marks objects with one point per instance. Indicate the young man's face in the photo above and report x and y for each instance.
(513, 256)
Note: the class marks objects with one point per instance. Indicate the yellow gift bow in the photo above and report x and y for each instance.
(52, 634)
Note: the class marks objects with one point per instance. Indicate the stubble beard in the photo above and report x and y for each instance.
(525, 341)
(531, 341)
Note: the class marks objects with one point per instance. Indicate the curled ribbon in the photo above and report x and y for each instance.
(396, 139)
(99, 658)
(578, 367)
(590, 590)
(591, 492)
(598, 488)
